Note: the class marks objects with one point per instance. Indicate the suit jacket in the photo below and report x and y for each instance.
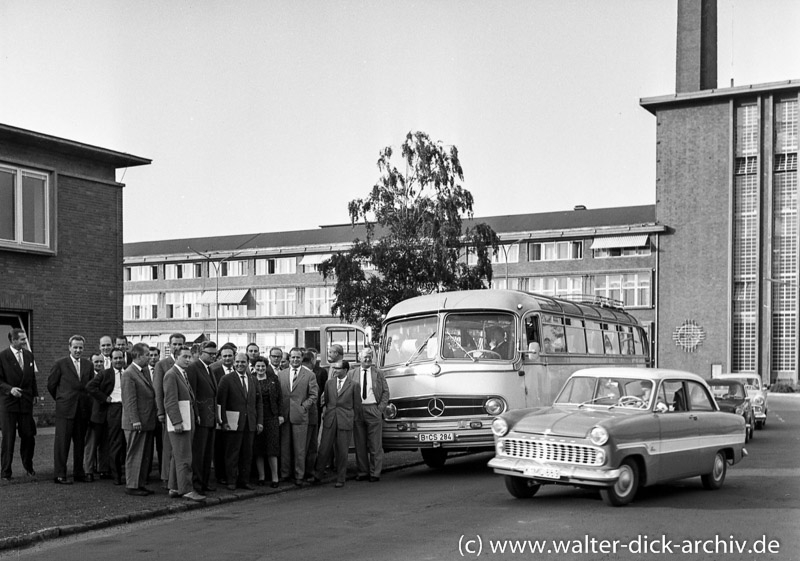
(204, 386)
(158, 381)
(218, 371)
(231, 397)
(380, 389)
(177, 388)
(12, 375)
(321, 376)
(138, 399)
(341, 405)
(302, 397)
(68, 388)
(100, 387)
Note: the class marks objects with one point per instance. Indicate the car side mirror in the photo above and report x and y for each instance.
(532, 350)
(661, 407)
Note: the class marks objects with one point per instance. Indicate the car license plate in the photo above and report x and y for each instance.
(436, 437)
(545, 472)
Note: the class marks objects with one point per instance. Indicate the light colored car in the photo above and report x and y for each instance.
(757, 391)
(619, 429)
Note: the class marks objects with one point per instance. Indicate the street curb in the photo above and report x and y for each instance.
(33, 538)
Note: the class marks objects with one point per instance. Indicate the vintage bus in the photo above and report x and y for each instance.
(455, 360)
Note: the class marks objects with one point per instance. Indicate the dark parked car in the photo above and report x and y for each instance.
(732, 397)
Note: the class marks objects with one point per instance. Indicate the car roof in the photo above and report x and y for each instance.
(641, 373)
(739, 376)
(724, 382)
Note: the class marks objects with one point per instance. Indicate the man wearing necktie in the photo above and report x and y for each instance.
(368, 426)
(18, 395)
(299, 391)
(106, 389)
(67, 384)
(138, 420)
(163, 446)
(204, 386)
(218, 370)
(106, 346)
(238, 393)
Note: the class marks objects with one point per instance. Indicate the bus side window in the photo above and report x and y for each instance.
(532, 332)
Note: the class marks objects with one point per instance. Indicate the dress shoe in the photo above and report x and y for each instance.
(31, 472)
(136, 492)
(274, 484)
(246, 486)
(62, 481)
(373, 479)
(231, 487)
(6, 478)
(298, 482)
(316, 481)
(194, 496)
(361, 477)
(146, 490)
(339, 485)
(88, 478)
(118, 481)
(173, 494)
(209, 489)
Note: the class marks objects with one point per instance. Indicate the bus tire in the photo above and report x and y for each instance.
(521, 487)
(434, 457)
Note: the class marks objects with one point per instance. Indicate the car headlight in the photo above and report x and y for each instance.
(598, 436)
(390, 412)
(494, 406)
(759, 400)
(740, 410)
(499, 427)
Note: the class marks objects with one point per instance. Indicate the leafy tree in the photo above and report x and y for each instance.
(415, 237)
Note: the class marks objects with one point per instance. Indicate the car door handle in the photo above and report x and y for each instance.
(693, 417)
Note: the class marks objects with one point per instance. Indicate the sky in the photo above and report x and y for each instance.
(265, 116)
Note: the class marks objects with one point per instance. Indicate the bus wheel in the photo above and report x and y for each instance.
(521, 487)
(434, 457)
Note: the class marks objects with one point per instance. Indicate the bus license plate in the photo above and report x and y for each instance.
(436, 437)
(545, 472)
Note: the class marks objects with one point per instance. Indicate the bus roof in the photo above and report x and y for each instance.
(511, 300)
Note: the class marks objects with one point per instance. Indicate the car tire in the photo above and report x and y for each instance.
(522, 487)
(434, 457)
(752, 428)
(714, 480)
(624, 490)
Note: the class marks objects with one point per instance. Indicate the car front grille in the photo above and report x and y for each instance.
(551, 451)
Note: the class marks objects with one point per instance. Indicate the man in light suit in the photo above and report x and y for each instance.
(204, 386)
(176, 341)
(138, 420)
(299, 389)
(341, 399)
(239, 393)
(368, 428)
(106, 389)
(18, 395)
(67, 384)
(177, 391)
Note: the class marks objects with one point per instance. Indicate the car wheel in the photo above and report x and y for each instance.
(522, 487)
(716, 478)
(746, 432)
(434, 457)
(752, 429)
(624, 490)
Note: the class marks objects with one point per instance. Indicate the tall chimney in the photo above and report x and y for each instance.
(696, 67)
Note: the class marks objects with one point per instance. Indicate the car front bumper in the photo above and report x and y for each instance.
(568, 474)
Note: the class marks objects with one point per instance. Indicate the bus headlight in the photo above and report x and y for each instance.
(499, 427)
(598, 436)
(494, 406)
(390, 412)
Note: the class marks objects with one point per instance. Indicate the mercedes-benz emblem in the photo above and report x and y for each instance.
(436, 407)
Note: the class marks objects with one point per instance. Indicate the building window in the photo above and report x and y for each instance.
(182, 305)
(173, 271)
(632, 289)
(25, 200)
(236, 268)
(318, 300)
(277, 266)
(506, 253)
(555, 251)
(229, 311)
(276, 302)
(141, 273)
(556, 286)
(621, 252)
(502, 283)
(140, 306)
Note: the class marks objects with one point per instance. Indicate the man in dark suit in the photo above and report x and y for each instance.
(121, 343)
(18, 395)
(299, 390)
(218, 370)
(138, 420)
(204, 386)
(95, 453)
(67, 384)
(341, 399)
(242, 416)
(176, 341)
(368, 427)
(315, 413)
(106, 389)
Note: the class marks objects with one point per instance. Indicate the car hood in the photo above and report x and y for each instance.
(558, 421)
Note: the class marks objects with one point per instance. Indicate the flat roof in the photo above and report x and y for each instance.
(652, 104)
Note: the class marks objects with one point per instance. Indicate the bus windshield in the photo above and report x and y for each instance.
(410, 340)
(479, 336)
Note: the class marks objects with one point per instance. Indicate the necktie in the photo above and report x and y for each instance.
(20, 359)
(364, 386)
(244, 382)
(294, 378)
(339, 385)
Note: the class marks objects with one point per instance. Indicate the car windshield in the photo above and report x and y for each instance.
(410, 340)
(632, 393)
(727, 390)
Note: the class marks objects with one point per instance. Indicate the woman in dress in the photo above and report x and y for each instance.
(267, 444)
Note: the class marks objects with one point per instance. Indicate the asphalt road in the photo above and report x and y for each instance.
(420, 513)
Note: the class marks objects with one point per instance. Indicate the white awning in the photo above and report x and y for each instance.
(314, 258)
(617, 242)
(223, 296)
(191, 337)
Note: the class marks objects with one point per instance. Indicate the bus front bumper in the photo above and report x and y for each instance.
(411, 436)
